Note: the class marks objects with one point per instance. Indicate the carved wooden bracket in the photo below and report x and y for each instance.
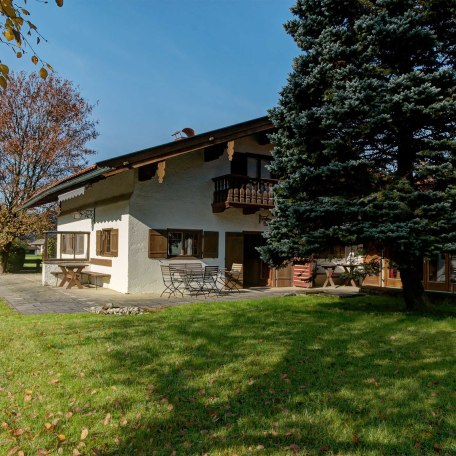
(161, 171)
(230, 149)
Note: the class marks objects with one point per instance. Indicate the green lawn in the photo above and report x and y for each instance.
(293, 375)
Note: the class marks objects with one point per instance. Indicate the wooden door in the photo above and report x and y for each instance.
(234, 249)
(256, 271)
(437, 273)
(281, 277)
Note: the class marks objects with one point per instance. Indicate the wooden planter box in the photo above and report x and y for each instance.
(303, 274)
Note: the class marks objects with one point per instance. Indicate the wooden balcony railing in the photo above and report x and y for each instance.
(241, 191)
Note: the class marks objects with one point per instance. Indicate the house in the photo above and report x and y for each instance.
(36, 247)
(203, 197)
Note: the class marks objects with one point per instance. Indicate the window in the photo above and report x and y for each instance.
(173, 243)
(251, 165)
(184, 243)
(72, 243)
(107, 242)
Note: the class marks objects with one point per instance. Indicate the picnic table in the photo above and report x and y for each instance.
(329, 270)
(71, 274)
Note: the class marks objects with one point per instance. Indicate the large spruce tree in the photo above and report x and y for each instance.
(366, 133)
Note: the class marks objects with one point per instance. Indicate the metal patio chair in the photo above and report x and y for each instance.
(171, 286)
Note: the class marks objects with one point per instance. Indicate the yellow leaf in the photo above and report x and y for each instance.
(61, 437)
(52, 69)
(107, 419)
(49, 426)
(84, 433)
(9, 35)
(76, 452)
(35, 59)
(19, 55)
(4, 70)
(24, 11)
(59, 2)
(20, 453)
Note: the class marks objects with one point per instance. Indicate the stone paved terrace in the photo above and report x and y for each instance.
(25, 294)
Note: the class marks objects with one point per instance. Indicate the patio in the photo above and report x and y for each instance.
(25, 294)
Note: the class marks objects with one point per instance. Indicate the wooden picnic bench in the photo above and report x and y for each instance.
(89, 274)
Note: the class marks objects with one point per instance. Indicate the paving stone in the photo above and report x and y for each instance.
(25, 294)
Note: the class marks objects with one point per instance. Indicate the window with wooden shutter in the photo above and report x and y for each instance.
(158, 243)
(107, 242)
(185, 243)
(211, 243)
(114, 243)
(98, 245)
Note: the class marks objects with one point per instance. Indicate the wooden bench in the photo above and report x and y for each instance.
(95, 275)
(87, 273)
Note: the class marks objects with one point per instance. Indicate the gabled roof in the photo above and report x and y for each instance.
(137, 159)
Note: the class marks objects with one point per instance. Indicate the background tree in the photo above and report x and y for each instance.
(366, 147)
(44, 130)
(17, 32)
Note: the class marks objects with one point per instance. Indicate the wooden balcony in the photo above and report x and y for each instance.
(241, 191)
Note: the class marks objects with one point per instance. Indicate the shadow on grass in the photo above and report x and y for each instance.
(286, 376)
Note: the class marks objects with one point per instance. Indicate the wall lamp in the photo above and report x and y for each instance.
(264, 217)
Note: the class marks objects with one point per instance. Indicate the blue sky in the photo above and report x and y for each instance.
(157, 66)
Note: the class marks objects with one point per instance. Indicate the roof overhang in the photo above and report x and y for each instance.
(143, 157)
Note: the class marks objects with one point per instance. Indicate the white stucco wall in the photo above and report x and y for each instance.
(182, 201)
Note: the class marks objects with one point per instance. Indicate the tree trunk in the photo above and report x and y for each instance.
(3, 261)
(412, 285)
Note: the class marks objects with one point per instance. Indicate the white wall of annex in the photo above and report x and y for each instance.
(109, 214)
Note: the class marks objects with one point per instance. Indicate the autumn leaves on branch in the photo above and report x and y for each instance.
(17, 32)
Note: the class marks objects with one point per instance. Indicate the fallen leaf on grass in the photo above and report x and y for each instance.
(356, 439)
(76, 452)
(18, 432)
(373, 381)
(42, 452)
(20, 453)
(49, 426)
(438, 448)
(84, 433)
(13, 450)
(293, 447)
(107, 419)
(324, 449)
(61, 437)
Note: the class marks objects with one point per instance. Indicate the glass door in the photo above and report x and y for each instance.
(437, 273)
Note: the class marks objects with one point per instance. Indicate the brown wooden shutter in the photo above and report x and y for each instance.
(158, 243)
(211, 243)
(114, 242)
(98, 245)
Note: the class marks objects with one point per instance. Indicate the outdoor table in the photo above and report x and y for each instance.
(71, 274)
(329, 270)
(348, 269)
